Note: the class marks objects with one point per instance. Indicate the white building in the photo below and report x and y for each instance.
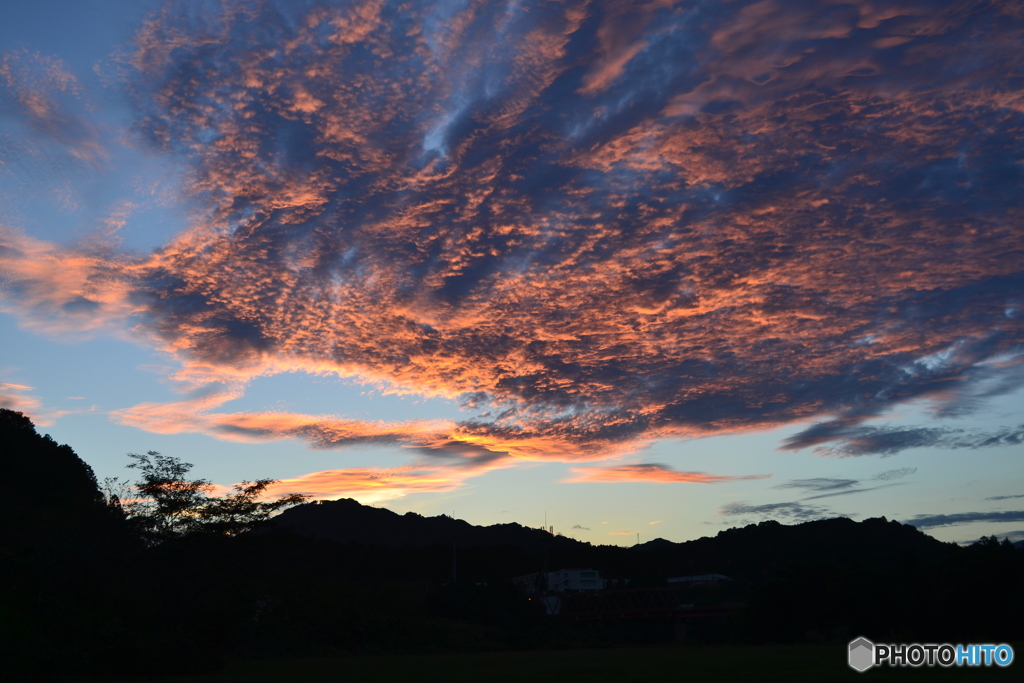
(562, 581)
(575, 580)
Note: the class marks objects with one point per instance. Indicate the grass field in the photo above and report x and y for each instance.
(684, 663)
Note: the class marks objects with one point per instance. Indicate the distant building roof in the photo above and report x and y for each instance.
(576, 579)
(700, 578)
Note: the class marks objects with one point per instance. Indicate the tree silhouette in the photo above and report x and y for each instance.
(164, 503)
(242, 510)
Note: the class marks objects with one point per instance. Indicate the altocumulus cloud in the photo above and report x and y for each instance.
(597, 224)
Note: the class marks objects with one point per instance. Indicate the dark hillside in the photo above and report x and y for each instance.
(825, 579)
(754, 552)
(45, 489)
(758, 551)
(345, 520)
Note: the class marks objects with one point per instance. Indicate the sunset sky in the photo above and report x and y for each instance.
(657, 268)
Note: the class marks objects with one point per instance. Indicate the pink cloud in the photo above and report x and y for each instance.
(655, 473)
(17, 397)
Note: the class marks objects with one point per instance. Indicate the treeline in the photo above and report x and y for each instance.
(105, 584)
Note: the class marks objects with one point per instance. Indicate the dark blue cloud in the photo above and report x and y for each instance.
(793, 511)
(930, 521)
(824, 487)
(866, 440)
(819, 484)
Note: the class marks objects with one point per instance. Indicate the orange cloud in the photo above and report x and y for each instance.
(371, 486)
(481, 443)
(62, 291)
(189, 416)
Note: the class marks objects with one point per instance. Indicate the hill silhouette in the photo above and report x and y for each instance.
(47, 493)
(760, 549)
(347, 521)
(753, 551)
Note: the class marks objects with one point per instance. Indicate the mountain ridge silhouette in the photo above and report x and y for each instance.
(754, 548)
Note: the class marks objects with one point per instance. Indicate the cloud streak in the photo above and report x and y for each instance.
(819, 484)
(654, 473)
(597, 225)
(886, 440)
(931, 521)
(825, 487)
(18, 397)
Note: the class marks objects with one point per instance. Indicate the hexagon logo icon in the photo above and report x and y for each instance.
(862, 654)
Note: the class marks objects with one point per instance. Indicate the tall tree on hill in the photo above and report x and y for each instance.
(164, 503)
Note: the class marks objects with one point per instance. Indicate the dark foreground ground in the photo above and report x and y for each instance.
(792, 664)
